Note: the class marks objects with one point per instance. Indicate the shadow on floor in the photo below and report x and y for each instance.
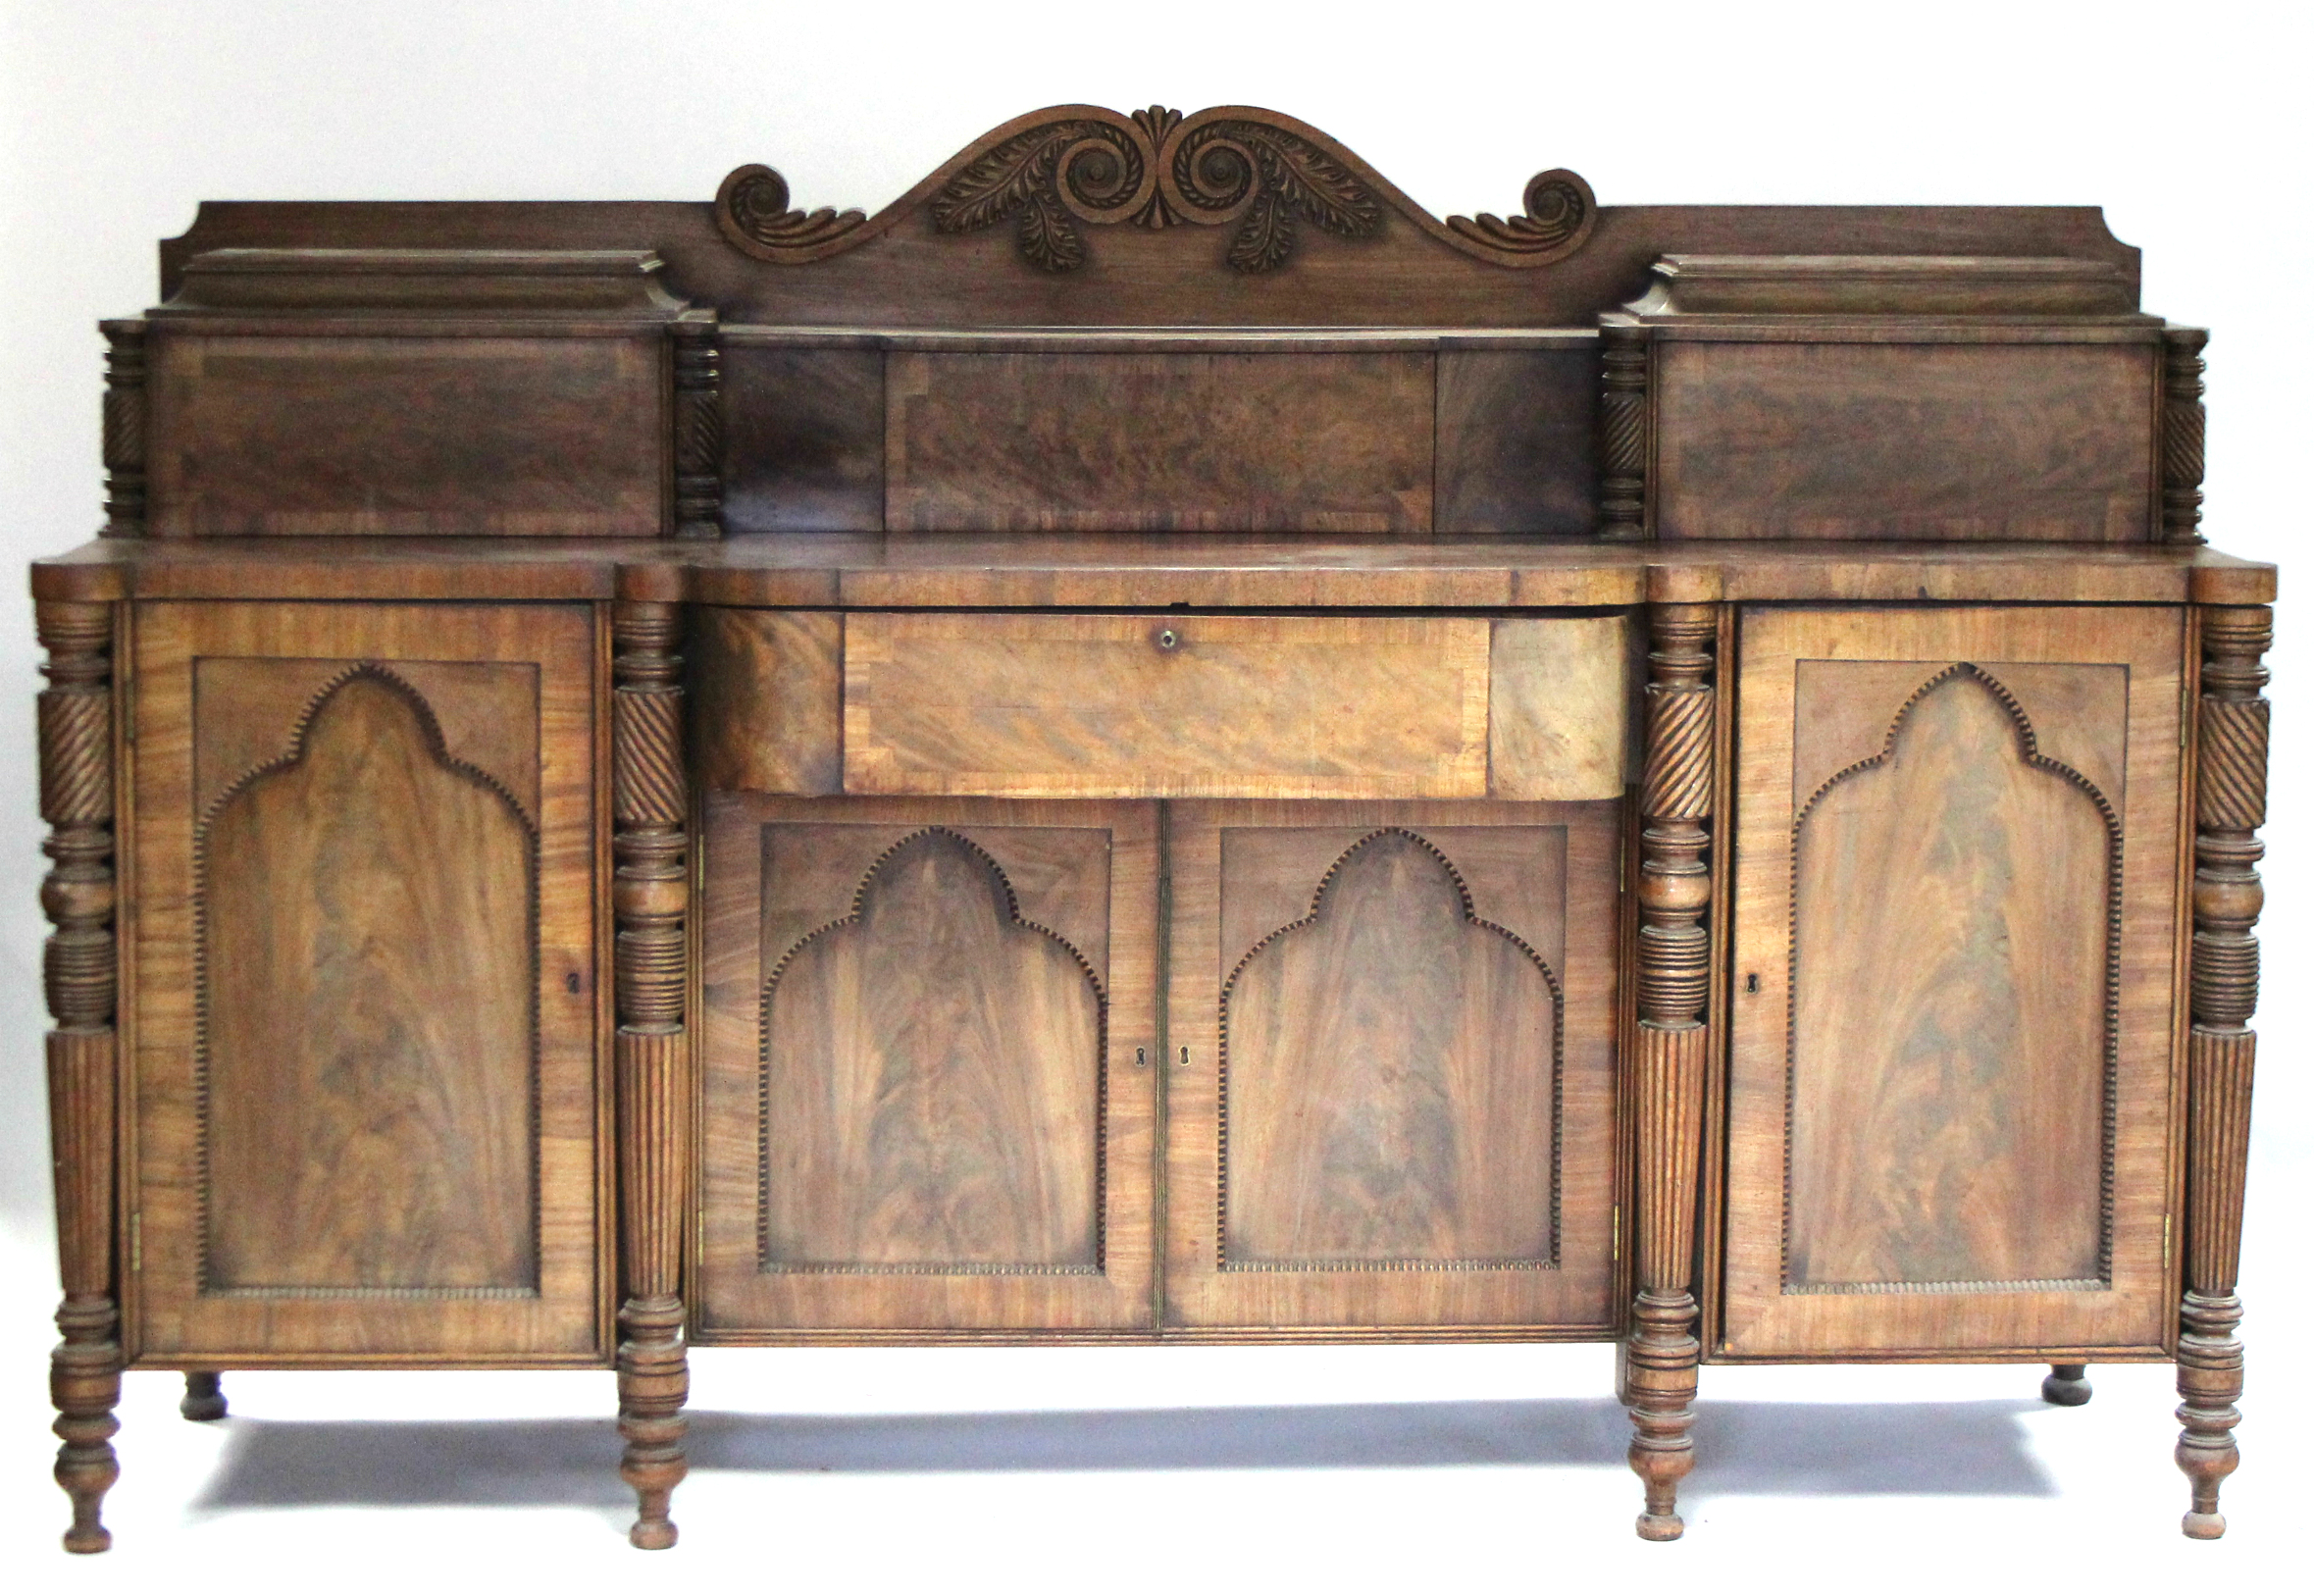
(1743, 1448)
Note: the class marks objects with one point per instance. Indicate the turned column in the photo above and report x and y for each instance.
(650, 898)
(2230, 804)
(1674, 966)
(82, 971)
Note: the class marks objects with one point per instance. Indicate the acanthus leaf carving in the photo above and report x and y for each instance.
(1261, 172)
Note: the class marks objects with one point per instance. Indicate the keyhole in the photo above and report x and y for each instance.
(1168, 638)
(1751, 983)
(570, 983)
(1140, 1058)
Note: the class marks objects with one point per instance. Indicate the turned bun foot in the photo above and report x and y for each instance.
(204, 1397)
(97, 1538)
(1661, 1527)
(2204, 1527)
(652, 1534)
(2067, 1386)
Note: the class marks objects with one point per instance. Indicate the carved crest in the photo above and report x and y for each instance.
(1053, 173)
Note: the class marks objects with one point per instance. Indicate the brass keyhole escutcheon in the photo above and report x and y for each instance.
(1168, 640)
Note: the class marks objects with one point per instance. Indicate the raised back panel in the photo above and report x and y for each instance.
(931, 1066)
(1955, 952)
(1391, 1062)
(367, 966)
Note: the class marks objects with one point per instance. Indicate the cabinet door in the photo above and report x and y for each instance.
(1391, 1095)
(1955, 943)
(929, 1091)
(365, 994)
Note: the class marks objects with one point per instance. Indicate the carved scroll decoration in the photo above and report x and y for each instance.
(81, 971)
(1230, 1264)
(1053, 171)
(650, 900)
(1674, 1048)
(2182, 426)
(2230, 804)
(2109, 1074)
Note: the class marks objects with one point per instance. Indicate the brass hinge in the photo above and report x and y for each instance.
(136, 1243)
(1615, 1256)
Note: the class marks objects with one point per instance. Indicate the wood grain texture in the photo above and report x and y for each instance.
(2230, 805)
(1389, 1034)
(1678, 781)
(1157, 705)
(461, 892)
(364, 969)
(804, 439)
(535, 435)
(1558, 707)
(928, 1098)
(1516, 450)
(1159, 443)
(767, 695)
(1390, 1068)
(80, 975)
(1923, 1155)
(1945, 441)
(1954, 1100)
(932, 1079)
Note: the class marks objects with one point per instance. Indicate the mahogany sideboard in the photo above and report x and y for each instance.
(1150, 744)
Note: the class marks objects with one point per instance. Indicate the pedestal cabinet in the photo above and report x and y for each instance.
(636, 775)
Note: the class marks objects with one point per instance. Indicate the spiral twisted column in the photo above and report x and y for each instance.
(1673, 1043)
(2230, 804)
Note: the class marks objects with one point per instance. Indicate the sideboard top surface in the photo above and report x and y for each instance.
(1009, 570)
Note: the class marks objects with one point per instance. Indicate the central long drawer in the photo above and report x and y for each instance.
(1164, 705)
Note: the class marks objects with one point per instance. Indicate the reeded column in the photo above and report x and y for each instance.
(651, 898)
(2230, 804)
(81, 973)
(1674, 968)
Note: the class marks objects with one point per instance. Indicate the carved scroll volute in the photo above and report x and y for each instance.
(1624, 440)
(123, 427)
(81, 967)
(2230, 805)
(1673, 1045)
(2182, 425)
(699, 426)
(650, 900)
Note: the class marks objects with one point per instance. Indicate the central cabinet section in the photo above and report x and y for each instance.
(998, 1057)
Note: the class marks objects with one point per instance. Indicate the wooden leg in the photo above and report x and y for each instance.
(81, 978)
(650, 896)
(204, 1395)
(2221, 1050)
(1673, 1046)
(85, 1380)
(2067, 1386)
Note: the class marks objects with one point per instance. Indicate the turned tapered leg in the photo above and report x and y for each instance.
(2229, 803)
(204, 1395)
(79, 966)
(2067, 1386)
(1661, 1355)
(650, 900)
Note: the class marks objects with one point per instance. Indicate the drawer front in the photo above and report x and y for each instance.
(1113, 705)
(813, 703)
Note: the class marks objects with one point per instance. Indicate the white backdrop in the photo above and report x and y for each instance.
(1362, 1468)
